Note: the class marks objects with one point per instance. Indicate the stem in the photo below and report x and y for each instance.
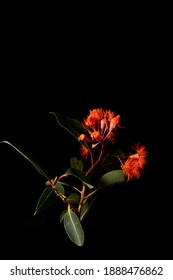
(63, 197)
(68, 207)
(88, 196)
(52, 183)
(92, 160)
(97, 161)
(120, 160)
(82, 198)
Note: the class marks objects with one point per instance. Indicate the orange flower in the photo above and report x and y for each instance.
(109, 115)
(141, 155)
(95, 116)
(96, 136)
(135, 163)
(114, 122)
(84, 152)
(101, 125)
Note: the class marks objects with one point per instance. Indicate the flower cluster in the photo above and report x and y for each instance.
(102, 127)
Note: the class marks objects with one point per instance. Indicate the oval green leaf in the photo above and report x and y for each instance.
(60, 188)
(73, 228)
(76, 163)
(111, 178)
(73, 198)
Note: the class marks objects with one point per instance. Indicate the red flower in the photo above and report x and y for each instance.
(135, 163)
(101, 125)
(84, 152)
(94, 118)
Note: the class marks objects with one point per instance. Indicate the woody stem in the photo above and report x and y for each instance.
(81, 198)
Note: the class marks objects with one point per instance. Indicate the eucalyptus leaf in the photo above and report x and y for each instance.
(60, 188)
(84, 210)
(76, 163)
(89, 186)
(46, 199)
(48, 184)
(65, 184)
(73, 228)
(30, 160)
(73, 198)
(86, 207)
(118, 152)
(62, 215)
(80, 175)
(110, 161)
(111, 178)
(73, 126)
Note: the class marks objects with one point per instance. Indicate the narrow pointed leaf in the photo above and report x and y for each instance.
(46, 199)
(73, 126)
(84, 210)
(64, 184)
(74, 228)
(62, 215)
(86, 207)
(30, 160)
(111, 178)
(89, 186)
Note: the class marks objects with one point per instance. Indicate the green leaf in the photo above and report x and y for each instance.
(62, 215)
(74, 228)
(73, 126)
(46, 199)
(30, 160)
(60, 188)
(76, 163)
(78, 174)
(118, 152)
(89, 186)
(73, 198)
(65, 184)
(111, 178)
(86, 207)
(84, 210)
(112, 159)
(48, 184)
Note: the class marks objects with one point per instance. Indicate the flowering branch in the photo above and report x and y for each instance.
(77, 187)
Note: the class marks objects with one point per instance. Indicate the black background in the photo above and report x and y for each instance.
(72, 69)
